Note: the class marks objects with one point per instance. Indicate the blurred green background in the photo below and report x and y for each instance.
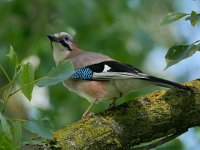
(127, 30)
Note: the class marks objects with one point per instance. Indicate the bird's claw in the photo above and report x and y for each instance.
(88, 115)
(112, 105)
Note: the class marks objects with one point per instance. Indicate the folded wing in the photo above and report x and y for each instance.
(114, 70)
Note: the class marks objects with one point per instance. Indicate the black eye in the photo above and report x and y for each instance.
(67, 38)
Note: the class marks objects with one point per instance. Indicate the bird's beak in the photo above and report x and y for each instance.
(52, 38)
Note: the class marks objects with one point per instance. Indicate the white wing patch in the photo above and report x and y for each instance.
(106, 68)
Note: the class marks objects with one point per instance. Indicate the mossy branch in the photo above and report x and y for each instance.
(142, 123)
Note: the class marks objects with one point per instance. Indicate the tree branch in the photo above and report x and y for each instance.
(142, 123)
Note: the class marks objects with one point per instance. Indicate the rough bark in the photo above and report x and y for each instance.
(142, 123)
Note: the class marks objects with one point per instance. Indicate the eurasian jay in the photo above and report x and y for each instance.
(98, 77)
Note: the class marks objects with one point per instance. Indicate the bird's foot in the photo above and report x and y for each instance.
(87, 112)
(88, 115)
(112, 105)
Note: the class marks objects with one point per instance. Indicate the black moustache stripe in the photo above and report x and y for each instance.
(65, 45)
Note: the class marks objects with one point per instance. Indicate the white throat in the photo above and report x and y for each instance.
(59, 53)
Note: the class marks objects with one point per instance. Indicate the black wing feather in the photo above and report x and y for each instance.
(122, 67)
(114, 67)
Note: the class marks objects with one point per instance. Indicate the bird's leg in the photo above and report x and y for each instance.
(113, 104)
(86, 113)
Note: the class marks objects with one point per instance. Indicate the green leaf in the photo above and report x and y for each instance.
(171, 17)
(17, 137)
(5, 126)
(42, 128)
(13, 56)
(26, 79)
(5, 143)
(175, 144)
(176, 54)
(193, 18)
(194, 47)
(179, 52)
(58, 74)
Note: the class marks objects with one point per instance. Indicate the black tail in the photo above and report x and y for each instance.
(169, 84)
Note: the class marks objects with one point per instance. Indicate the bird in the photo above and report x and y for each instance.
(98, 77)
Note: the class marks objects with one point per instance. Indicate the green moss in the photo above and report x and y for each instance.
(157, 106)
(127, 123)
(94, 128)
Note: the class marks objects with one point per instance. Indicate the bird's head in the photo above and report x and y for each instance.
(62, 44)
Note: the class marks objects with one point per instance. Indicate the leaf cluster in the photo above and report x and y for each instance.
(24, 80)
(177, 53)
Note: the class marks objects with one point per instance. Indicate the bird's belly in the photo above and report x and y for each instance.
(92, 90)
(130, 85)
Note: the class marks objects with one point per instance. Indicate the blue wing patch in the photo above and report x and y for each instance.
(83, 74)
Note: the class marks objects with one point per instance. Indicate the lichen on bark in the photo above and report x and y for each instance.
(158, 116)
